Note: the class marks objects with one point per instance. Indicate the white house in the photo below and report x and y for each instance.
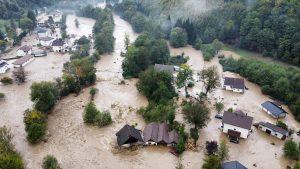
(273, 109)
(234, 84)
(23, 61)
(59, 45)
(273, 130)
(24, 50)
(4, 66)
(236, 125)
(46, 41)
(42, 33)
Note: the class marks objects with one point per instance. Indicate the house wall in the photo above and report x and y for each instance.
(273, 133)
(57, 48)
(233, 89)
(46, 43)
(244, 132)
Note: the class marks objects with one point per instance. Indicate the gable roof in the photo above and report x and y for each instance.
(58, 42)
(173, 136)
(25, 48)
(166, 68)
(274, 128)
(273, 108)
(151, 132)
(163, 135)
(128, 134)
(22, 60)
(45, 38)
(233, 165)
(237, 119)
(235, 83)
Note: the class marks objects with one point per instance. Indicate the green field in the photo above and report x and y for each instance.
(241, 52)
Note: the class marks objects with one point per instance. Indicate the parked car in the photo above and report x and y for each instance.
(218, 116)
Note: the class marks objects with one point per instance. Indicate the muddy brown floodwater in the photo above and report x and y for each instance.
(79, 146)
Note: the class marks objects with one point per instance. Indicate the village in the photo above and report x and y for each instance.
(249, 121)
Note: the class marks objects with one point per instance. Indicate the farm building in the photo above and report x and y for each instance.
(273, 109)
(236, 125)
(4, 66)
(159, 133)
(39, 53)
(234, 84)
(128, 135)
(21, 62)
(273, 130)
(24, 50)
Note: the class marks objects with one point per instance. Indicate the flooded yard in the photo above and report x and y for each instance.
(78, 146)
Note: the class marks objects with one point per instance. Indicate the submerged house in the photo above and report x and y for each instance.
(59, 45)
(273, 109)
(4, 66)
(236, 125)
(165, 68)
(234, 84)
(46, 41)
(24, 50)
(159, 134)
(128, 135)
(21, 62)
(273, 130)
(233, 165)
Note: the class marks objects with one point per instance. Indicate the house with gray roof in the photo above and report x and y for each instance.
(128, 135)
(164, 68)
(234, 84)
(236, 125)
(273, 109)
(159, 134)
(4, 66)
(21, 62)
(273, 130)
(233, 165)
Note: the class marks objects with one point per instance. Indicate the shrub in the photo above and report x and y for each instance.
(291, 150)
(2, 95)
(212, 162)
(103, 119)
(180, 146)
(281, 124)
(20, 75)
(35, 125)
(211, 147)
(297, 165)
(90, 113)
(6, 80)
(191, 84)
(50, 162)
(157, 112)
(93, 91)
(219, 106)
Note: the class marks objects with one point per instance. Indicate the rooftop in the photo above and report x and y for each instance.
(25, 48)
(233, 165)
(3, 63)
(237, 119)
(23, 60)
(274, 128)
(58, 42)
(236, 83)
(166, 68)
(128, 134)
(273, 108)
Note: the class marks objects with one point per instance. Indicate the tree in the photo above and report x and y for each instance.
(211, 147)
(93, 91)
(210, 78)
(27, 24)
(126, 41)
(185, 74)
(196, 113)
(90, 113)
(103, 119)
(297, 165)
(76, 23)
(194, 133)
(223, 151)
(35, 125)
(44, 95)
(178, 37)
(9, 157)
(212, 162)
(32, 17)
(291, 150)
(19, 75)
(50, 162)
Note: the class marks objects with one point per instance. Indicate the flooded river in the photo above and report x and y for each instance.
(78, 146)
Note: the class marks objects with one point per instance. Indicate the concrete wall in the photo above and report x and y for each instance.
(244, 132)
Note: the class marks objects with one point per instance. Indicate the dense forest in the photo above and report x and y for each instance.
(13, 9)
(268, 27)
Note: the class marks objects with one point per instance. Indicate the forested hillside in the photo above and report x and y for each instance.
(268, 27)
(13, 9)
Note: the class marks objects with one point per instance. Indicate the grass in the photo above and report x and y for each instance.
(241, 52)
